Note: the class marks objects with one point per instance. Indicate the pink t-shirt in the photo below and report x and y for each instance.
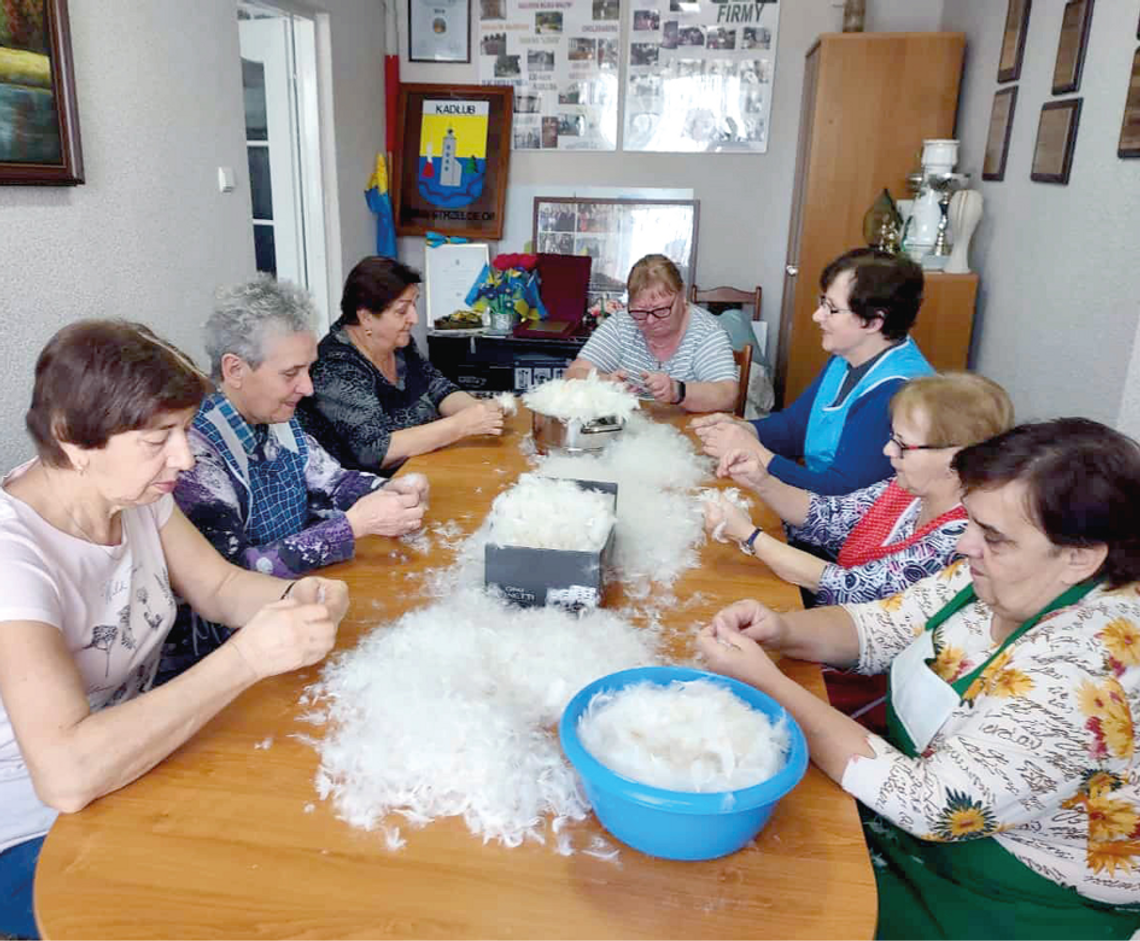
(112, 604)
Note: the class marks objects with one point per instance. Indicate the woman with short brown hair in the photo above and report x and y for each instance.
(93, 551)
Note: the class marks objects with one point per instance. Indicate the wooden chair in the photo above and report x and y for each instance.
(744, 364)
(720, 299)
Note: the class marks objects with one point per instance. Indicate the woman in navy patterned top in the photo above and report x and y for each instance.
(887, 536)
(376, 401)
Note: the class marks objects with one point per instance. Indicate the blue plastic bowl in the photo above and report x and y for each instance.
(679, 824)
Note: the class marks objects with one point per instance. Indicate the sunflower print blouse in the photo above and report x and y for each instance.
(1040, 754)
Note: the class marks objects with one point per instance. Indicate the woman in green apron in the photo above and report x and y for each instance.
(1005, 799)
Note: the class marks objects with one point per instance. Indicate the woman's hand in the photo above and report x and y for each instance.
(743, 466)
(625, 380)
(718, 438)
(486, 418)
(412, 484)
(661, 386)
(707, 421)
(754, 620)
(331, 592)
(386, 512)
(285, 636)
(731, 653)
(737, 523)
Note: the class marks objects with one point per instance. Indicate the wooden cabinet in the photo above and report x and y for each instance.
(946, 319)
(869, 100)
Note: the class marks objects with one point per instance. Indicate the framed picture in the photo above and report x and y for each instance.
(1056, 140)
(439, 30)
(997, 143)
(1013, 40)
(451, 165)
(1071, 46)
(39, 123)
(1130, 128)
(615, 233)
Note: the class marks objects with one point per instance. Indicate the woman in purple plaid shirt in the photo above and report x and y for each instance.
(265, 494)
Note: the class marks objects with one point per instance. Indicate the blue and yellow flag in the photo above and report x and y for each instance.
(379, 202)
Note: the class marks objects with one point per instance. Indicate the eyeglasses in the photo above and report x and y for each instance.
(897, 442)
(826, 303)
(657, 313)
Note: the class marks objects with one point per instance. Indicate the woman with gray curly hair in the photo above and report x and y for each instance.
(265, 494)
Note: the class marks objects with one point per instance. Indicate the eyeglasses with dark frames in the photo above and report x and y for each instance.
(827, 304)
(657, 313)
(897, 442)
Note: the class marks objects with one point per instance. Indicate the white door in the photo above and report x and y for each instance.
(279, 80)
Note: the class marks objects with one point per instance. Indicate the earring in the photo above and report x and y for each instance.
(368, 333)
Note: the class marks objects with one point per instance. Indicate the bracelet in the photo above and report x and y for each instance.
(748, 546)
(288, 588)
(681, 392)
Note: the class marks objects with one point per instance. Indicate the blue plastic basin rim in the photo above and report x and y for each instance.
(682, 802)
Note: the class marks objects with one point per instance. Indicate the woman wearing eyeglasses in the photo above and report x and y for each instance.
(839, 424)
(662, 346)
(888, 535)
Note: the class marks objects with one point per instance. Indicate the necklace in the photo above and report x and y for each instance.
(71, 516)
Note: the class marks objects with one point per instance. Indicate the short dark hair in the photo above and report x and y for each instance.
(1083, 483)
(885, 285)
(98, 378)
(373, 284)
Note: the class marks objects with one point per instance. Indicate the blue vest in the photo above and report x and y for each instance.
(826, 422)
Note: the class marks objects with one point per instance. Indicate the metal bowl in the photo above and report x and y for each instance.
(570, 436)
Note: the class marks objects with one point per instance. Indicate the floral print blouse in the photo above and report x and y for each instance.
(828, 524)
(1040, 753)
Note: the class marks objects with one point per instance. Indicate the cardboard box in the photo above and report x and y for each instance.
(566, 577)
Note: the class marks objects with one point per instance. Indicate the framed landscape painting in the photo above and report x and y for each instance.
(39, 122)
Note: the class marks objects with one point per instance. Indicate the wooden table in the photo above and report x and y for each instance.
(215, 843)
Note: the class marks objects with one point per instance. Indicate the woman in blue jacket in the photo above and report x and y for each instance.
(840, 423)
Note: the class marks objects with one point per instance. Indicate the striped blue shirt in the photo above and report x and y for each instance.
(703, 355)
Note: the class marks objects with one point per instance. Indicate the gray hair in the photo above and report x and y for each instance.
(246, 315)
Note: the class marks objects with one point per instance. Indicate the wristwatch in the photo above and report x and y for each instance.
(680, 392)
(748, 546)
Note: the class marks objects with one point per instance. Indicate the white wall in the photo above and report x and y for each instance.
(1058, 306)
(745, 198)
(148, 236)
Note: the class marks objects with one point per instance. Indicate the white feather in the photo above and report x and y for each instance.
(687, 736)
(581, 399)
(450, 710)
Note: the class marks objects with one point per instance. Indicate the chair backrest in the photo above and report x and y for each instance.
(725, 297)
(744, 364)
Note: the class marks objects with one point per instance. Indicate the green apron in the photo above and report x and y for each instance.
(975, 888)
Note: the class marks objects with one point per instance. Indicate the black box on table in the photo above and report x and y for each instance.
(567, 577)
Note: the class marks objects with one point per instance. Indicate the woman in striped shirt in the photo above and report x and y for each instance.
(662, 346)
